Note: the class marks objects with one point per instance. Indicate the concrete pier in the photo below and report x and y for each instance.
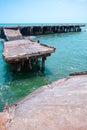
(45, 29)
(19, 50)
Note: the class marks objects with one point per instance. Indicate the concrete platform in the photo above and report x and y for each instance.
(61, 105)
(20, 50)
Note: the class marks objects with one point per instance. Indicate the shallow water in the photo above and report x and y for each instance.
(70, 56)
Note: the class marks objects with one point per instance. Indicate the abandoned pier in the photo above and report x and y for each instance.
(19, 49)
(40, 30)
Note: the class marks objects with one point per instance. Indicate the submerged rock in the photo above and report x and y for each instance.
(61, 105)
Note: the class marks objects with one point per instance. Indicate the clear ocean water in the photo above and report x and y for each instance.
(70, 56)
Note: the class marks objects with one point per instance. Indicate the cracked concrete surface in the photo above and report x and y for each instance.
(61, 105)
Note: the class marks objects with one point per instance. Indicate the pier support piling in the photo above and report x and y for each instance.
(30, 64)
(37, 65)
(43, 64)
(19, 67)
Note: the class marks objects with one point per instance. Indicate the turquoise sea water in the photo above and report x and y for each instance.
(70, 56)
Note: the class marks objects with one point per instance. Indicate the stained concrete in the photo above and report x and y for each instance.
(61, 105)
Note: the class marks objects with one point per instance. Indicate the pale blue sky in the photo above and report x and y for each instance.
(43, 11)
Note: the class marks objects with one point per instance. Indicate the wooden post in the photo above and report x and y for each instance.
(43, 64)
(37, 64)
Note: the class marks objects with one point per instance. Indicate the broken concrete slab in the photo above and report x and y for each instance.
(61, 105)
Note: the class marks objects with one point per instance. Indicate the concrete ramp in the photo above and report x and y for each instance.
(12, 34)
